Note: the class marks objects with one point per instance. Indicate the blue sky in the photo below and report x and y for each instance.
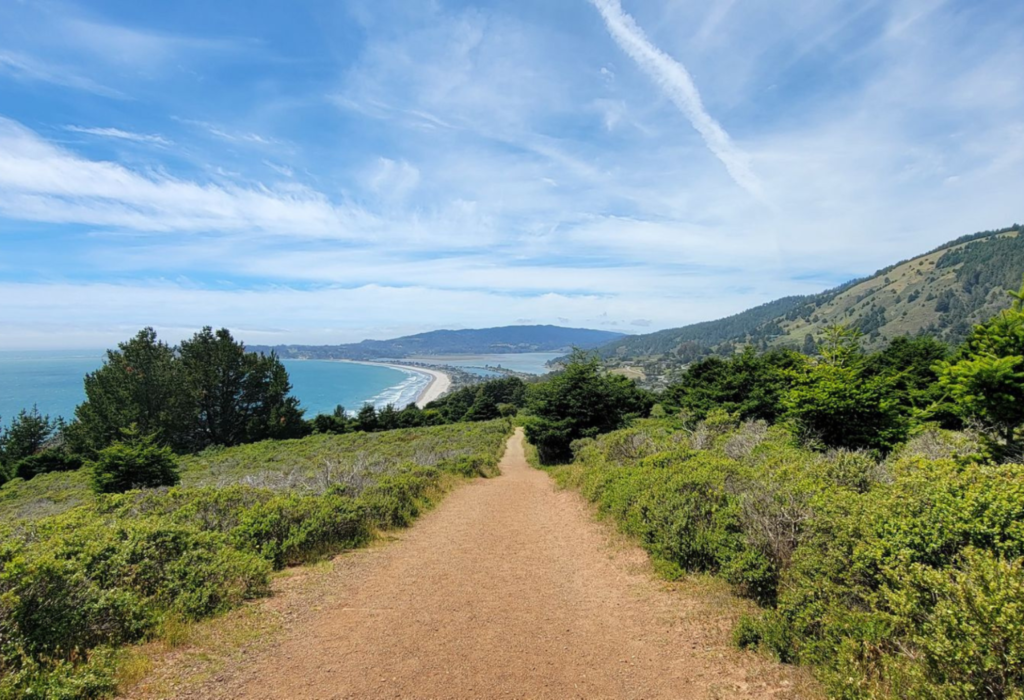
(330, 171)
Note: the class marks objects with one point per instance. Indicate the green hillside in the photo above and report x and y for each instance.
(503, 340)
(942, 293)
(307, 465)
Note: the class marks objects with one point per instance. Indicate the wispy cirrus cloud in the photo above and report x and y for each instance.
(675, 81)
(42, 182)
(113, 133)
(443, 164)
(227, 134)
(22, 66)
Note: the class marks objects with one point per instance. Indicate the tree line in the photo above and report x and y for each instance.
(209, 390)
(150, 401)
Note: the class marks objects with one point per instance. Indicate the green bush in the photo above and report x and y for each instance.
(137, 462)
(678, 503)
(290, 529)
(91, 679)
(896, 579)
(897, 587)
(394, 501)
(45, 462)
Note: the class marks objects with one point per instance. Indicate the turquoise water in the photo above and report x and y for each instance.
(322, 384)
(525, 362)
(52, 380)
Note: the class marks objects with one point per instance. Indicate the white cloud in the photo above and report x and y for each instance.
(109, 132)
(227, 134)
(41, 182)
(675, 81)
(483, 165)
(99, 315)
(24, 67)
(393, 180)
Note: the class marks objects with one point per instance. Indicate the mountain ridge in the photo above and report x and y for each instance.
(941, 293)
(471, 341)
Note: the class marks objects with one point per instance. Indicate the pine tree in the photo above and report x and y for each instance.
(986, 381)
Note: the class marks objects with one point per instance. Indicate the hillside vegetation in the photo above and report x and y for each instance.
(120, 568)
(942, 293)
(871, 503)
(310, 464)
(895, 579)
(503, 340)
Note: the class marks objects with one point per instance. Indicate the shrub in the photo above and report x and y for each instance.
(137, 462)
(894, 587)
(75, 586)
(291, 529)
(394, 501)
(44, 462)
(901, 579)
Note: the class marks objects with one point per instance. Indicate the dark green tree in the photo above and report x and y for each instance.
(749, 384)
(411, 417)
(235, 396)
(581, 401)
(912, 365)
(834, 403)
(34, 444)
(134, 462)
(27, 434)
(139, 384)
(986, 380)
(387, 418)
(334, 423)
(490, 396)
(366, 419)
(810, 348)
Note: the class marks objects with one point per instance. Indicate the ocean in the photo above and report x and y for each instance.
(52, 380)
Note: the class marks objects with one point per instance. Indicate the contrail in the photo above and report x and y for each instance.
(675, 81)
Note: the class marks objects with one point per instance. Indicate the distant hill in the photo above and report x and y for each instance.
(503, 340)
(942, 293)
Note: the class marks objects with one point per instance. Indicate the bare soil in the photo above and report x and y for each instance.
(509, 589)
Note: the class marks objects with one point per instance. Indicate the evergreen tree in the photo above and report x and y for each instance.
(749, 384)
(581, 402)
(33, 444)
(366, 419)
(835, 403)
(235, 396)
(986, 381)
(136, 461)
(139, 384)
(210, 391)
(27, 434)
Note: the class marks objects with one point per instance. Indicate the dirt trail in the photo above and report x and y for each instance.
(509, 589)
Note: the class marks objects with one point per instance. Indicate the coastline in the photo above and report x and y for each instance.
(439, 383)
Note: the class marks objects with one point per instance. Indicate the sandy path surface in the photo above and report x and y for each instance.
(509, 589)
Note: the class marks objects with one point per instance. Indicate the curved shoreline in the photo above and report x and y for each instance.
(439, 383)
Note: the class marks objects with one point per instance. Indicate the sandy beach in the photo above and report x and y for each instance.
(440, 382)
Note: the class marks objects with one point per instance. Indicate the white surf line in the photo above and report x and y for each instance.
(439, 383)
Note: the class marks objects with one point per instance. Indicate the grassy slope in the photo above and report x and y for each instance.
(907, 291)
(308, 464)
(892, 291)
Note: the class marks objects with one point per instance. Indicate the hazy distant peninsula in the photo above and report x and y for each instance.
(503, 340)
